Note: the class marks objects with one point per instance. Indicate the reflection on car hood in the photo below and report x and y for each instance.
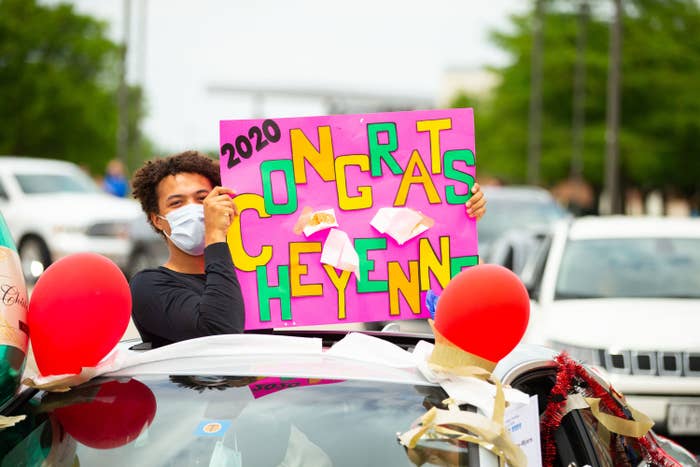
(628, 324)
(80, 208)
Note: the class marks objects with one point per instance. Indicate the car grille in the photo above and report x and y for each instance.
(649, 363)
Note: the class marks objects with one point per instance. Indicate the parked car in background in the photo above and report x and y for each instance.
(516, 248)
(286, 399)
(515, 208)
(54, 209)
(623, 293)
(148, 248)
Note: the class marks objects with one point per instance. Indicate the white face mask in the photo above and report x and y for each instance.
(187, 228)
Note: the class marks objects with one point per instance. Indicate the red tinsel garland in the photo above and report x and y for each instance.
(551, 418)
(567, 370)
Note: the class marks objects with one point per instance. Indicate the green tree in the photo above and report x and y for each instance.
(58, 82)
(660, 127)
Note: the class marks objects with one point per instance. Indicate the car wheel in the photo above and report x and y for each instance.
(35, 258)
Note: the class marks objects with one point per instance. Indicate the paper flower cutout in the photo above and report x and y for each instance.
(311, 221)
(401, 224)
(339, 252)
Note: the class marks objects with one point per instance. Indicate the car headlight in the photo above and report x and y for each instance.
(109, 229)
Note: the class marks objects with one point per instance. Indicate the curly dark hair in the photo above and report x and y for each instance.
(202, 383)
(146, 179)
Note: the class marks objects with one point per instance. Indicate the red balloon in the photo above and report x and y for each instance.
(116, 416)
(484, 310)
(78, 311)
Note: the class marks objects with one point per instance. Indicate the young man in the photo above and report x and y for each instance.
(196, 292)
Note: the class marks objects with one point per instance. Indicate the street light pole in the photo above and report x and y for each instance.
(612, 203)
(535, 113)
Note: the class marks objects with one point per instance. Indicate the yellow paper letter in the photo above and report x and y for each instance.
(408, 286)
(303, 150)
(429, 262)
(423, 178)
(241, 259)
(297, 269)
(434, 127)
(341, 283)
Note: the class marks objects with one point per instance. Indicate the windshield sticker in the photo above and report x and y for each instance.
(212, 428)
(348, 218)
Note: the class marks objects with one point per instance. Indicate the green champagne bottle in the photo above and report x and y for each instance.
(14, 332)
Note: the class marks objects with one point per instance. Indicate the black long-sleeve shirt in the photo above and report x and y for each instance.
(169, 306)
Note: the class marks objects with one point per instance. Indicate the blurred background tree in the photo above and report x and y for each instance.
(59, 74)
(660, 129)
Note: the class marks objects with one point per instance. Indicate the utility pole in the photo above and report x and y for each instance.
(535, 114)
(612, 203)
(122, 93)
(142, 17)
(579, 103)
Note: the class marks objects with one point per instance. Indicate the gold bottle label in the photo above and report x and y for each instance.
(13, 301)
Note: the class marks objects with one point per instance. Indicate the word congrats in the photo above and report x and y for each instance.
(362, 177)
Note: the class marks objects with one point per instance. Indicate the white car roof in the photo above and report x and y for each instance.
(517, 193)
(35, 165)
(633, 227)
(363, 357)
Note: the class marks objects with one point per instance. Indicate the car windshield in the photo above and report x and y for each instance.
(229, 421)
(504, 215)
(630, 267)
(39, 183)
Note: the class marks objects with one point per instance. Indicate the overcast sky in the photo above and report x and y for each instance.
(393, 46)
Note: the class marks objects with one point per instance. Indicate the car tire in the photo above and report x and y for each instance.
(34, 256)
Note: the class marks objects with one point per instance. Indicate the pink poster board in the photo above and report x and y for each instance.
(354, 165)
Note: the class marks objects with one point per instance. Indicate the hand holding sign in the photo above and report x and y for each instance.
(476, 206)
(219, 210)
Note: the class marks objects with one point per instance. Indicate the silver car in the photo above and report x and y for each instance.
(516, 208)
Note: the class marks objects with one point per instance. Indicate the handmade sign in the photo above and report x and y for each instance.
(348, 218)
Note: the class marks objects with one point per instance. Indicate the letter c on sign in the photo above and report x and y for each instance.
(241, 259)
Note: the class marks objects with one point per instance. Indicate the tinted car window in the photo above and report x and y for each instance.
(56, 183)
(504, 215)
(534, 268)
(229, 421)
(3, 192)
(631, 267)
(611, 449)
